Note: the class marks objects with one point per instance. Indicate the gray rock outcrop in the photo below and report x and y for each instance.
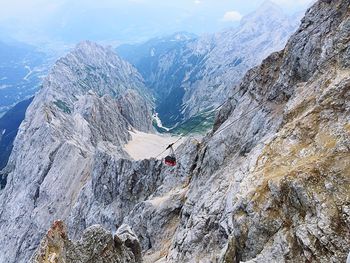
(270, 183)
(96, 245)
(88, 103)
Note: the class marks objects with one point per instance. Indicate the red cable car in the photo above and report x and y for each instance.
(170, 159)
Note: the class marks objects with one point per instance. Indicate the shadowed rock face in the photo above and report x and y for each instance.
(271, 186)
(96, 245)
(9, 124)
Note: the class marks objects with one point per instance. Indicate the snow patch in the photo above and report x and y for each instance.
(146, 145)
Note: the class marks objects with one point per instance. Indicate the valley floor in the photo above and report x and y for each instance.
(146, 145)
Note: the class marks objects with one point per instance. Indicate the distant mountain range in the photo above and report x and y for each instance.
(189, 75)
(180, 78)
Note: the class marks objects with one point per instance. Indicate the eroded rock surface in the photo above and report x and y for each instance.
(96, 245)
(270, 183)
(77, 114)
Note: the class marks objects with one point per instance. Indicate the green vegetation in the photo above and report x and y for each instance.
(201, 123)
(63, 106)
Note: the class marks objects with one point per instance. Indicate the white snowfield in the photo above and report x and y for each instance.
(146, 145)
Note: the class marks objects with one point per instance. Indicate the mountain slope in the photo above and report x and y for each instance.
(146, 56)
(79, 112)
(198, 74)
(271, 181)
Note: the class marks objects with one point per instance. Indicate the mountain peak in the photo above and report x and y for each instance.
(90, 46)
(91, 66)
(93, 54)
(86, 43)
(268, 12)
(266, 9)
(268, 4)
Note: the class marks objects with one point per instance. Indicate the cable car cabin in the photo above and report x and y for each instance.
(170, 160)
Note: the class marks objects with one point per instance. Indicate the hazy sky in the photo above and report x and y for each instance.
(122, 20)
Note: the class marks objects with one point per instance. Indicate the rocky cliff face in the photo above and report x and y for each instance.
(96, 245)
(273, 186)
(191, 75)
(270, 183)
(87, 104)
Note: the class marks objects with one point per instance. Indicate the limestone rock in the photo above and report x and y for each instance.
(96, 245)
(77, 114)
(269, 184)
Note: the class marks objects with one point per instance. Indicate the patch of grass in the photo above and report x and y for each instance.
(201, 123)
(63, 106)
